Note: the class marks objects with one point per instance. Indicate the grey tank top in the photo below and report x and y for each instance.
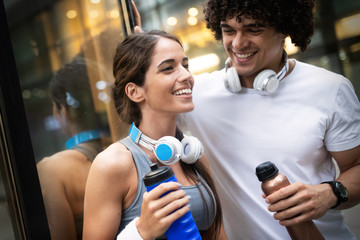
(198, 208)
(90, 149)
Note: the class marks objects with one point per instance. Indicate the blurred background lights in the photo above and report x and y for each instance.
(290, 48)
(193, 12)
(95, 1)
(201, 63)
(26, 94)
(94, 14)
(101, 85)
(104, 97)
(71, 14)
(192, 21)
(171, 21)
(114, 13)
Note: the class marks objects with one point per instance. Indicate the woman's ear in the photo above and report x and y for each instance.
(134, 92)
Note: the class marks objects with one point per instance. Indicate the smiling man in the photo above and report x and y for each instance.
(266, 107)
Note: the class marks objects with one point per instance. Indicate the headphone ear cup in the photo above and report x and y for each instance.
(192, 149)
(231, 78)
(266, 82)
(168, 150)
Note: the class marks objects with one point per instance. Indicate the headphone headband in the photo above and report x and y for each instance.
(168, 150)
(280, 75)
(139, 138)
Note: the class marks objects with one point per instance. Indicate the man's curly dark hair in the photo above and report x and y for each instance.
(294, 18)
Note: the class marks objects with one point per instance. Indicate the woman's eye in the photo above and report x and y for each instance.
(167, 69)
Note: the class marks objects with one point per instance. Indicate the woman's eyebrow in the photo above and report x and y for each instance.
(171, 61)
(166, 61)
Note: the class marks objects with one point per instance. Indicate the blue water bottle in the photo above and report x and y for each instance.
(184, 228)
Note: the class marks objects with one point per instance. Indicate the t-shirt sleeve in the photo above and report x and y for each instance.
(344, 128)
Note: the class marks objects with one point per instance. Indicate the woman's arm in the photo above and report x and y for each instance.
(108, 181)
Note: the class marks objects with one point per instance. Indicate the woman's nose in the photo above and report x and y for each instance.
(184, 74)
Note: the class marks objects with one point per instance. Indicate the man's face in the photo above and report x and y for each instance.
(252, 47)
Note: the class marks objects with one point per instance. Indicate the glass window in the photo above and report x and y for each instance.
(63, 52)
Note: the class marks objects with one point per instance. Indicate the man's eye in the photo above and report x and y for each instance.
(186, 66)
(255, 30)
(226, 30)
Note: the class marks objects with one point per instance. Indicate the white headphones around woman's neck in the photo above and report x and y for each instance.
(265, 83)
(168, 150)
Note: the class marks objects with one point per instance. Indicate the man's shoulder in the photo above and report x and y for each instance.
(209, 75)
(314, 69)
(209, 80)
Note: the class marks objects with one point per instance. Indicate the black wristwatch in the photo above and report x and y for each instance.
(340, 192)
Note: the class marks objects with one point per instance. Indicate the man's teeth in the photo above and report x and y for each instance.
(244, 55)
(183, 91)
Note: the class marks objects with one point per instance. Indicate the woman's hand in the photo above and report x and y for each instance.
(158, 212)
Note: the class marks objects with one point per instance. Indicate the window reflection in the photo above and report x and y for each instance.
(63, 175)
(64, 59)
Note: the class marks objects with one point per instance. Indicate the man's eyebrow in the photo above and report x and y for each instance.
(185, 59)
(224, 25)
(250, 25)
(255, 25)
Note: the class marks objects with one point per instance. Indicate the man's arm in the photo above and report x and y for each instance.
(301, 202)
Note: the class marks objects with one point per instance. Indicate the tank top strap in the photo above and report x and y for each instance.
(90, 149)
(142, 161)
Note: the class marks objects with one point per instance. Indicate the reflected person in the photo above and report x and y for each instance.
(63, 175)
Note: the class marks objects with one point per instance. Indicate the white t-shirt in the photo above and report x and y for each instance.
(312, 112)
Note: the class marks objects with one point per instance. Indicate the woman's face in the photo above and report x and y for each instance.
(168, 82)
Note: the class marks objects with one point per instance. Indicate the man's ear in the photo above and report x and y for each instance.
(134, 92)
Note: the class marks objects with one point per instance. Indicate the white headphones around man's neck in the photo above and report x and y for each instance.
(265, 83)
(168, 150)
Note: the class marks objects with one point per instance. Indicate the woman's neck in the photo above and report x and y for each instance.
(158, 128)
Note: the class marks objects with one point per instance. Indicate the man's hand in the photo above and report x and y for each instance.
(137, 28)
(300, 202)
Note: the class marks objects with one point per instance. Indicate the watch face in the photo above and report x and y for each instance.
(342, 190)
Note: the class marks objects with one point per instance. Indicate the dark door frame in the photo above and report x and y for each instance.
(17, 160)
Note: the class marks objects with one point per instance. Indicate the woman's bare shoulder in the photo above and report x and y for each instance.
(116, 159)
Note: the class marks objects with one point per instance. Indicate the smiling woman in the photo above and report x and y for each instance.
(152, 85)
